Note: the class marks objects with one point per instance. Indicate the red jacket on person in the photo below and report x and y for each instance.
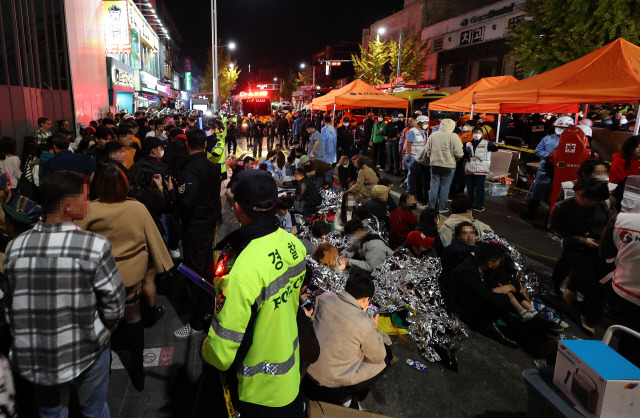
(401, 222)
(619, 171)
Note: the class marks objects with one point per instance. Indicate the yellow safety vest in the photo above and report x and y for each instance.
(219, 153)
(268, 273)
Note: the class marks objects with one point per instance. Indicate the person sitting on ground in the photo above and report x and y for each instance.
(319, 231)
(419, 245)
(283, 212)
(379, 204)
(326, 254)
(476, 304)
(459, 249)
(347, 172)
(369, 248)
(345, 212)
(352, 353)
(428, 224)
(588, 168)
(462, 212)
(402, 220)
(307, 198)
(367, 178)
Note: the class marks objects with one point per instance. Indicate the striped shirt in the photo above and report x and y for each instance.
(64, 296)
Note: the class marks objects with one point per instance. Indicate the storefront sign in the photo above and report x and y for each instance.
(491, 14)
(187, 63)
(122, 78)
(145, 33)
(438, 44)
(148, 82)
(174, 94)
(134, 57)
(184, 95)
(162, 88)
(472, 36)
(116, 27)
(176, 81)
(187, 80)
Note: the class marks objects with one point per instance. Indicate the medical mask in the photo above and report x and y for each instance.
(208, 133)
(160, 154)
(394, 119)
(604, 178)
(465, 129)
(623, 121)
(559, 131)
(345, 165)
(345, 124)
(425, 126)
(477, 136)
(380, 119)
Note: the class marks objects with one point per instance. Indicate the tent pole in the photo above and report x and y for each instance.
(334, 114)
(635, 130)
(498, 129)
(473, 104)
(586, 110)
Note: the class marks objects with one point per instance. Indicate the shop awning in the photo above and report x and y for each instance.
(357, 95)
(608, 74)
(462, 100)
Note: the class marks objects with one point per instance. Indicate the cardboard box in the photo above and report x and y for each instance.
(597, 379)
(327, 410)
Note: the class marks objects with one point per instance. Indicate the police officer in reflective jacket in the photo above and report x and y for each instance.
(253, 334)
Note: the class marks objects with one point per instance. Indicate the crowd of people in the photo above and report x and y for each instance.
(89, 224)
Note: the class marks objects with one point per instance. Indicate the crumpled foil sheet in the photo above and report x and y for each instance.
(331, 199)
(338, 240)
(404, 281)
(528, 278)
(377, 227)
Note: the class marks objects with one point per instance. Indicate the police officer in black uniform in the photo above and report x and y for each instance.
(199, 205)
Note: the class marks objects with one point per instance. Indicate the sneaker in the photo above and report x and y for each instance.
(528, 315)
(175, 254)
(479, 210)
(445, 210)
(186, 332)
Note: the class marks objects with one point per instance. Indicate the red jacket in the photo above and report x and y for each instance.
(619, 171)
(401, 222)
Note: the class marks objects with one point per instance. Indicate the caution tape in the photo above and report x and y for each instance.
(227, 396)
(529, 150)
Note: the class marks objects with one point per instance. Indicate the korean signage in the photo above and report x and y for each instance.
(162, 88)
(116, 27)
(187, 80)
(145, 33)
(187, 63)
(175, 82)
(438, 44)
(120, 76)
(148, 82)
(472, 36)
(134, 57)
(490, 14)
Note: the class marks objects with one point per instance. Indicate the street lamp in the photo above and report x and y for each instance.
(302, 66)
(231, 66)
(275, 78)
(381, 31)
(232, 46)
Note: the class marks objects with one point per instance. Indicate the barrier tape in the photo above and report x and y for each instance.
(529, 150)
(227, 396)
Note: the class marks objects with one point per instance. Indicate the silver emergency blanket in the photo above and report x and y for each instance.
(528, 278)
(331, 199)
(325, 278)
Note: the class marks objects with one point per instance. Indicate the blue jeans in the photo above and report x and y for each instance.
(475, 190)
(325, 179)
(257, 148)
(394, 155)
(91, 388)
(439, 190)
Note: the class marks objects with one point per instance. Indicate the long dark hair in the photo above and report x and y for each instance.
(8, 147)
(428, 217)
(141, 179)
(29, 151)
(629, 148)
(344, 208)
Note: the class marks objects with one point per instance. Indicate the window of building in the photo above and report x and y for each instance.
(453, 74)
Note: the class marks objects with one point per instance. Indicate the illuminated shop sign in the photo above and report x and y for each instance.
(116, 27)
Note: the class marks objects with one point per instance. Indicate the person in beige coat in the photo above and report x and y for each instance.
(352, 352)
(444, 148)
(367, 178)
(137, 247)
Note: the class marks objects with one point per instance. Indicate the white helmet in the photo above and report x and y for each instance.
(563, 122)
(587, 130)
(587, 122)
(249, 114)
(422, 118)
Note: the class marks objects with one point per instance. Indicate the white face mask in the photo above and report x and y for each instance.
(345, 165)
(425, 126)
(380, 119)
(345, 124)
(477, 136)
(465, 128)
(160, 154)
(603, 178)
(559, 131)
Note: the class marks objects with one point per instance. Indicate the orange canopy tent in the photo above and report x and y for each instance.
(608, 74)
(356, 95)
(462, 101)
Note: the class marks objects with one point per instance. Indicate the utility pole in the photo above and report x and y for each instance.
(399, 71)
(214, 53)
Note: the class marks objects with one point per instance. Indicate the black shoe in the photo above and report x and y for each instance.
(492, 331)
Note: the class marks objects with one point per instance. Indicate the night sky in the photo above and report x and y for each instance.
(274, 34)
